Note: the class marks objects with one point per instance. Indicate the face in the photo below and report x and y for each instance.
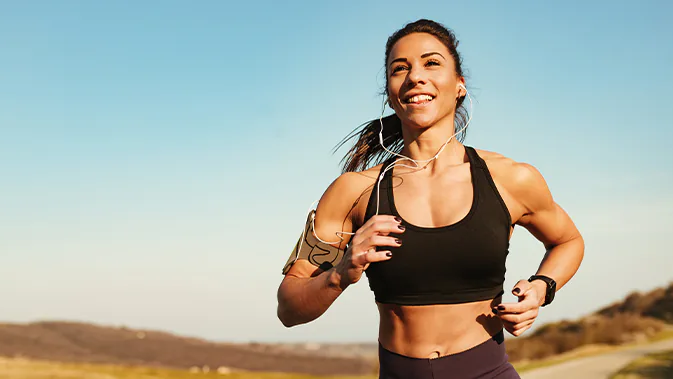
(422, 82)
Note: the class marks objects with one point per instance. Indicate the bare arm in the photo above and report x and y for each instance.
(552, 226)
(549, 223)
(307, 292)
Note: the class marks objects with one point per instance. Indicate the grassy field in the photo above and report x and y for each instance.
(652, 366)
(18, 368)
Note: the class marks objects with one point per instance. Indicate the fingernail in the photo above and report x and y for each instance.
(401, 227)
(501, 307)
(516, 291)
(399, 241)
(495, 311)
(389, 254)
(398, 219)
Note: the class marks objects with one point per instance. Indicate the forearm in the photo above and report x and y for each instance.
(301, 300)
(562, 261)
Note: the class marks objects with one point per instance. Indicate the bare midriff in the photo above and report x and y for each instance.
(433, 331)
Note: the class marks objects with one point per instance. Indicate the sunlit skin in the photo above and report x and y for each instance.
(439, 195)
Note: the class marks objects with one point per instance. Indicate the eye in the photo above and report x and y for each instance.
(432, 63)
(398, 68)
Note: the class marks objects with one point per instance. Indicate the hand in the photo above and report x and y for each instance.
(362, 249)
(518, 317)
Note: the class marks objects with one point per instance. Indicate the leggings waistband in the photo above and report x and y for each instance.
(484, 361)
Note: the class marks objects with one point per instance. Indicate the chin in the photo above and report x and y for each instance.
(419, 122)
(423, 120)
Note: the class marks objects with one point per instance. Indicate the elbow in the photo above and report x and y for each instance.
(284, 319)
(289, 318)
(576, 248)
(284, 311)
(580, 248)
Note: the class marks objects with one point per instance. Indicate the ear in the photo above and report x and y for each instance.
(460, 86)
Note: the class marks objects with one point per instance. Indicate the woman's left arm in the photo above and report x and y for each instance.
(552, 226)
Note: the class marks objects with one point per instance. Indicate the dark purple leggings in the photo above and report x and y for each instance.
(487, 360)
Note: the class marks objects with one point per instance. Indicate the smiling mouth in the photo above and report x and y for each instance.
(419, 99)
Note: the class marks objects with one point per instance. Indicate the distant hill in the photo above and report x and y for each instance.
(638, 317)
(80, 342)
(656, 304)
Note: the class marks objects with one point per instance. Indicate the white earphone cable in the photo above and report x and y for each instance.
(386, 169)
(416, 162)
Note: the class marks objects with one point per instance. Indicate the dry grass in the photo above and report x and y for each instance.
(652, 366)
(19, 368)
(588, 351)
(554, 339)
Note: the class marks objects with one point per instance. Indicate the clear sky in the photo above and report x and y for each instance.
(157, 158)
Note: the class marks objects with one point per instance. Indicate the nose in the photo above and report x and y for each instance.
(416, 76)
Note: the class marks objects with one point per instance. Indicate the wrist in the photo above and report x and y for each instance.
(335, 280)
(540, 291)
(547, 288)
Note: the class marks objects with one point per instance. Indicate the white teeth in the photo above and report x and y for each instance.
(419, 98)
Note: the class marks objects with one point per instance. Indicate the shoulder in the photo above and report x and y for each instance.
(522, 180)
(345, 199)
(351, 185)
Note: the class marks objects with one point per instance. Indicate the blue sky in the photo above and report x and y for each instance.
(158, 158)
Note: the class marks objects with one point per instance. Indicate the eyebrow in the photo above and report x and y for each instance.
(422, 56)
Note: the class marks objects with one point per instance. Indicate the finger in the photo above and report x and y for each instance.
(524, 324)
(374, 256)
(382, 224)
(508, 327)
(387, 226)
(366, 252)
(515, 308)
(518, 332)
(376, 241)
(526, 303)
(377, 219)
(516, 329)
(518, 318)
(521, 288)
(361, 241)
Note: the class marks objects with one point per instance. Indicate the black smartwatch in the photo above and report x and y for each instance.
(551, 287)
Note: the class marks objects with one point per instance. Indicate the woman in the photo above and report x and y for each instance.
(430, 227)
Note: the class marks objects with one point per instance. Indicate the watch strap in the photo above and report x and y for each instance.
(551, 287)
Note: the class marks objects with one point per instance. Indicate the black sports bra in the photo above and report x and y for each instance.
(458, 263)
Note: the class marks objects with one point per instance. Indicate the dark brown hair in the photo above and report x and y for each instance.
(367, 151)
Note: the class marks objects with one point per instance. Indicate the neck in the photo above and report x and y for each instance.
(423, 144)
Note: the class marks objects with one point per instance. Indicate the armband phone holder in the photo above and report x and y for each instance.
(319, 254)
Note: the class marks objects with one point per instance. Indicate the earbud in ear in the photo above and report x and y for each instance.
(461, 85)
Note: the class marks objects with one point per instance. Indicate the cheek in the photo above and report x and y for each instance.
(395, 84)
(446, 84)
(392, 93)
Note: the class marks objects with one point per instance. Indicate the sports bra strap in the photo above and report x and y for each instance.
(475, 159)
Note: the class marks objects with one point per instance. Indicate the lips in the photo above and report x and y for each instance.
(418, 99)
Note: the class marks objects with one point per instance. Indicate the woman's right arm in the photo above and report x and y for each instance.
(306, 291)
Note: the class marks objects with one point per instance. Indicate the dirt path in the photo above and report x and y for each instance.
(596, 367)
